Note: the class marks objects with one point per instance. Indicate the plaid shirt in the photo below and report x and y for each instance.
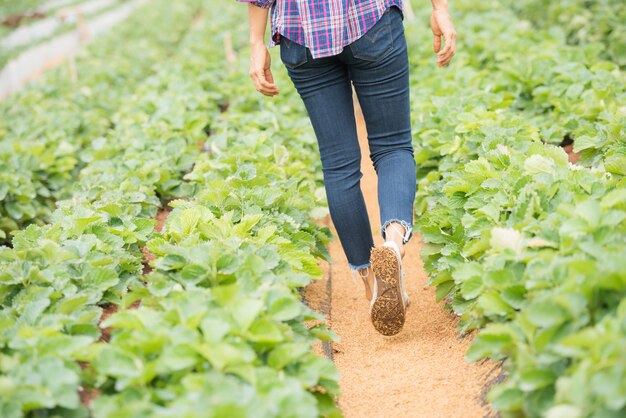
(324, 26)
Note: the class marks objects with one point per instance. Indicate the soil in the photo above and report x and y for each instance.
(107, 310)
(160, 217)
(420, 372)
(16, 20)
(571, 155)
(317, 296)
(88, 394)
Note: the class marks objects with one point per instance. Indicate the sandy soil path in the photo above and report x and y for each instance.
(422, 371)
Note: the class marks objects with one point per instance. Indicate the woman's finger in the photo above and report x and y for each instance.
(448, 57)
(260, 75)
(452, 50)
(444, 60)
(263, 84)
(265, 91)
(445, 50)
(437, 43)
(450, 39)
(264, 87)
(444, 55)
(270, 79)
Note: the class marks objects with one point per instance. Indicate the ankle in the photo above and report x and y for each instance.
(395, 232)
(401, 248)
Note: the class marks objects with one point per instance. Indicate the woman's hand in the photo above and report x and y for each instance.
(260, 69)
(441, 24)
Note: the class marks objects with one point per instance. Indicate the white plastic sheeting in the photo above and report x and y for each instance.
(44, 28)
(54, 4)
(34, 61)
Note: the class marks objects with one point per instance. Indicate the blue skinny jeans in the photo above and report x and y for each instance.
(377, 65)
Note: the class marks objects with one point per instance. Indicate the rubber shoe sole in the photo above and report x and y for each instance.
(388, 311)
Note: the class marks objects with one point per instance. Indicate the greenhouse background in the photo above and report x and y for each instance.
(166, 248)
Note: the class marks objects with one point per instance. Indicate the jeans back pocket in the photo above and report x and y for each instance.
(293, 55)
(377, 41)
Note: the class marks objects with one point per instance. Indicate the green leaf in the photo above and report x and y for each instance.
(265, 331)
(506, 400)
(175, 357)
(286, 353)
(506, 239)
(214, 329)
(245, 310)
(584, 142)
(115, 362)
(171, 262)
(545, 313)
(224, 354)
(102, 278)
(193, 273)
(443, 290)
(472, 288)
(537, 164)
(532, 380)
(564, 411)
(285, 308)
(491, 303)
(494, 340)
(616, 164)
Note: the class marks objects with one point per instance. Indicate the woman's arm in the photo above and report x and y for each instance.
(441, 24)
(260, 60)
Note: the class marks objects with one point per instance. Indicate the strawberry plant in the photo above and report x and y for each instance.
(57, 126)
(523, 245)
(595, 22)
(223, 285)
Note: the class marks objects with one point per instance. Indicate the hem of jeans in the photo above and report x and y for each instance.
(408, 228)
(354, 269)
(359, 267)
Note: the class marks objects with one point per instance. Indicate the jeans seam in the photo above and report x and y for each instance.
(358, 267)
(388, 32)
(289, 44)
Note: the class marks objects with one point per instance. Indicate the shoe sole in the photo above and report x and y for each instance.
(388, 312)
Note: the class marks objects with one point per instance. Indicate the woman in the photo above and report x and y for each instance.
(327, 46)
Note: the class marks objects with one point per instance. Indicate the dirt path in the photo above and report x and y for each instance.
(422, 371)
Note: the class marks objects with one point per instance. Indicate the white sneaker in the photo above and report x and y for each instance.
(393, 245)
(389, 299)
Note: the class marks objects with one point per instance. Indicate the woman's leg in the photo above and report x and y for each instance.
(378, 67)
(325, 89)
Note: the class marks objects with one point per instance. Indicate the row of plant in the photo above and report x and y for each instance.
(220, 330)
(562, 91)
(27, 8)
(14, 44)
(525, 246)
(56, 277)
(598, 23)
(11, 7)
(53, 128)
